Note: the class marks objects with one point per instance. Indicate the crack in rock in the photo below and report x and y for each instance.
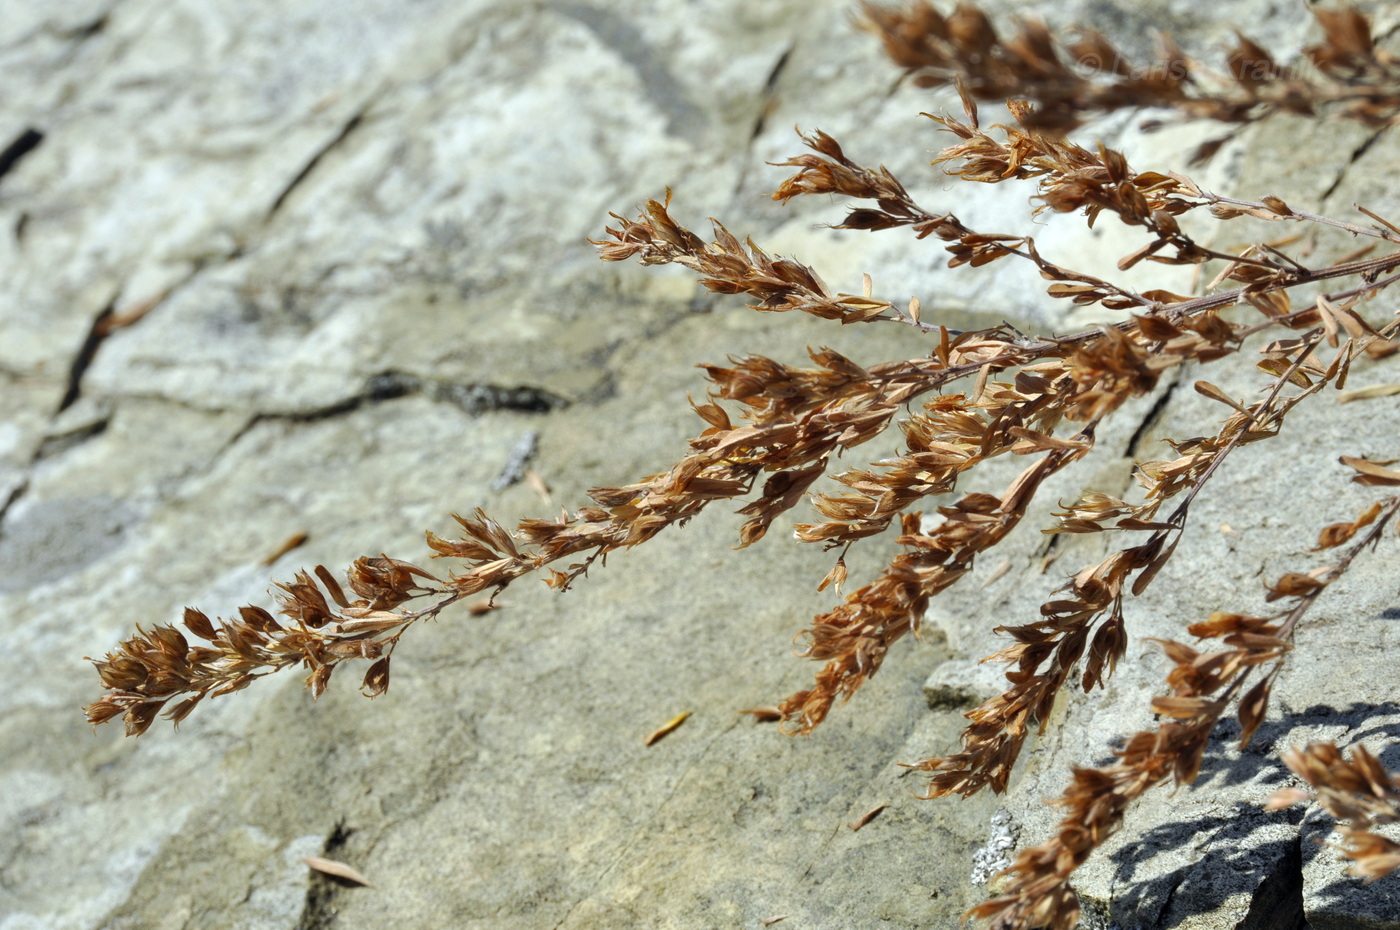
(1278, 901)
(770, 96)
(475, 399)
(108, 321)
(86, 353)
(319, 911)
(59, 443)
(1356, 154)
(1152, 416)
(350, 126)
(15, 494)
(769, 103)
(23, 144)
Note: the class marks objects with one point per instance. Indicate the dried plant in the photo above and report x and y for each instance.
(773, 429)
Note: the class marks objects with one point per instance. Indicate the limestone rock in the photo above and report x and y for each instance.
(963, 683)
(305, 274)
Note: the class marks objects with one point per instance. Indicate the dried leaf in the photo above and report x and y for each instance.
(1368, 393)
(337, 870)
(1371, 473)
(1108, 646)
(376, 678)
(868, 816)
(666, 728)
(1156, 328)
(1043, 442)
(1001, 569)
(1131, 259)
(1207, 389)
(1327, 313)
(290, 543)
(1144, 578)
(1334, 535)
(332, 586)
(316, 681)
(1222, 624)
(138, 717)
(374, 622)
(258, 619)
(768, 713)
(537, 484)
(836, 577)
(177, 712)
(1251, 712)
(1293, 584)
(1182, 708)
(132, 313)
(980, 385)
(197, 622)
(1286, 797)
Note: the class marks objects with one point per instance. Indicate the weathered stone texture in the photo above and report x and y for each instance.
(317, 267)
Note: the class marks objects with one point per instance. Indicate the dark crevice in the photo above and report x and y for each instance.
(1164, 912)
(319, 911)
(86, 353)
(27, 142)
(1045, 550)
(769, 103)
(1356, 154)
(10, 500)
(21, 223)
(601, 392)
(88, 30)
(475, 399)
(350, 126)
(770, 98)
(388, 385)
(1151, 418)
(57, 445)
(1278, 901)
(109, 321)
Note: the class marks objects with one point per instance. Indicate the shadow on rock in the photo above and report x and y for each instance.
(1189, 866)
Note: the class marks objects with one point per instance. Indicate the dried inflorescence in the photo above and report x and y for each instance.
(1073, 81)
(151, 669)
(1359, 792)
(772, 430)
(1203, 686)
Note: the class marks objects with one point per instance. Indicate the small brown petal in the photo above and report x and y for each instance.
(337, 870)
(666, 728)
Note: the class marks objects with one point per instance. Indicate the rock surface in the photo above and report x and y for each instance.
(313, 268)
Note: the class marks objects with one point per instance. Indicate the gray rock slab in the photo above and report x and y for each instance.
(306, 274)
(963, 683)
(1207, 855)
(26, 406)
